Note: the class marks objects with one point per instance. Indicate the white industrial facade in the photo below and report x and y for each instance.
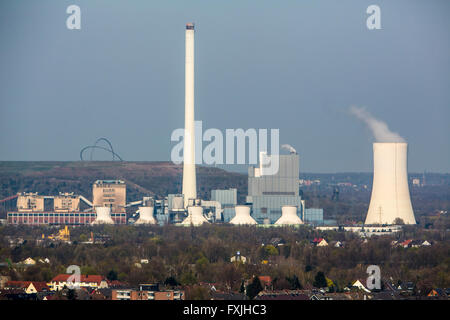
(268, 193)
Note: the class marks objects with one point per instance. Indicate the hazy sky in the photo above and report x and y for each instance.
(294, 65)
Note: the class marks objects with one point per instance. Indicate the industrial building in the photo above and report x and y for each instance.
(268, 193)
(227, 200)
(109, 193)
(66, 207)
(60, 218)
(313, 216)
(30, 202)
(66, 202)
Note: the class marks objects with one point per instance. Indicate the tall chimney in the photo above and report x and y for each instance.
(189, 179)
(390, 192)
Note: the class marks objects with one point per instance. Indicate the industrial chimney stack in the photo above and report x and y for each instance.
(390, 192)
(189, 178)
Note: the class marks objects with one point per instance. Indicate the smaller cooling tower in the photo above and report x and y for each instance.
(390, 193)
(103, 216)
(195, 216)
(146, 216)
(242, 216)
(289, 216)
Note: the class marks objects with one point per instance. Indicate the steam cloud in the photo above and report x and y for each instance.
(289, 148)
(379, 129)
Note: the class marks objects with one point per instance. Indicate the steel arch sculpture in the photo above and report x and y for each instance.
(95, 146)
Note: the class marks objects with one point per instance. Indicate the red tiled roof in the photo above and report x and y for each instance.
(116, 283)
(40, 286)
(83, 278)
(265, 279)
(17, 284)
(406, 242)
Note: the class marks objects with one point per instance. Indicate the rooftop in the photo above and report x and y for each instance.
(100, 182)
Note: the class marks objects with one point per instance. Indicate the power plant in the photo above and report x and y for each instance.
(390, 198)
(272, 198)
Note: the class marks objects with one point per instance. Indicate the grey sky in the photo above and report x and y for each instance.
(293, 65)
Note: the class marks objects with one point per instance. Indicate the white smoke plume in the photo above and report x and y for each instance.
(289, 148)
(379, 129)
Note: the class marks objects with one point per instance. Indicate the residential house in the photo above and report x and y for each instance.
(266, 282)
(406, 243)
(276, 242)
(337, 244)
(92, 281)
(147, 292)
(359, 284)
(426, 243)
(3, 281)
(221, 295)
(29, 261)
(437, 293)
(29, 287)
(46, 260)
(238, 258)
(281, 295)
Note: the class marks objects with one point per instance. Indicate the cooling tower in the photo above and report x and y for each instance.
(146, 216)
(189, 179)
(242, 216)
(103, 216)
(289, 216)
(390, 192)
(195, 217)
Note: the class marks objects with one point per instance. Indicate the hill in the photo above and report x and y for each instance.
(142, 178)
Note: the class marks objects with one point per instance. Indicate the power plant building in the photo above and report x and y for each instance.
(110, 193)
(313, 216)
(66, 206)
(60, 218)
(268, 193)
(29, 202)
(66, 202)
(228, 200)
